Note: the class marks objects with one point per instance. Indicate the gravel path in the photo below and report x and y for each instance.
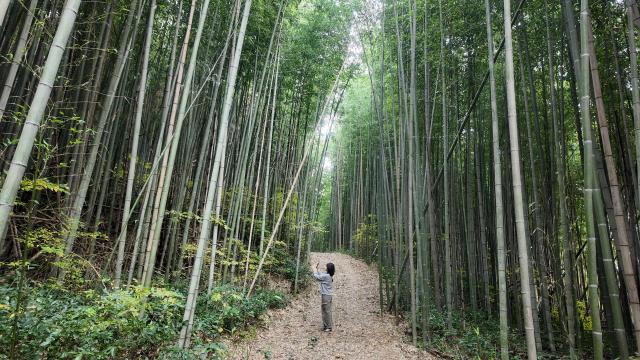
(359, 331)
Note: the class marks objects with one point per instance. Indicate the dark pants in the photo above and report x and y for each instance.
(327, 319)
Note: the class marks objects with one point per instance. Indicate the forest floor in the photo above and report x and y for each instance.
(360, 332)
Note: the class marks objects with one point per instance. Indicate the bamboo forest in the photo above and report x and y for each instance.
(176, 175)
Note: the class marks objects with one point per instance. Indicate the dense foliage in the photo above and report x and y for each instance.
(132, 323)
(163, 152)
(452, 174)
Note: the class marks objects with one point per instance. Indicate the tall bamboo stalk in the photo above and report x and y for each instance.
(523, 251)
(499, 203)
(166, 169)
(188, 318)
(445, 146)
(624, 251)
(18, 55)
(75, 212)
(134, 144)
(589, 180)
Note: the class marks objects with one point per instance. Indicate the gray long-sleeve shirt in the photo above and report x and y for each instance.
(326, 283)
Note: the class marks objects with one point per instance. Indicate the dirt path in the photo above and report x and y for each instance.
(359, 331)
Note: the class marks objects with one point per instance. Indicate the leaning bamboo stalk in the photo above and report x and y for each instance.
(255, 199)
(292, 186)
(185, 332)
(87, 174)
(622, 244)
(157, 216)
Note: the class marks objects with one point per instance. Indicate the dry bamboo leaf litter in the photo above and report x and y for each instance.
(359, 331)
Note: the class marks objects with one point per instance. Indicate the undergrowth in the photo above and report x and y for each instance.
(286, 269)
(474, 336)
(477, 336)
(54, 323)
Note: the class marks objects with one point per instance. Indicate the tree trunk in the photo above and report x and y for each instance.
(122, 238)
(590, 181)
(221, 145)
(499, 203)
(523, 252)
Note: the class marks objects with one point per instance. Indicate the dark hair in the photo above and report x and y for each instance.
(331, 269)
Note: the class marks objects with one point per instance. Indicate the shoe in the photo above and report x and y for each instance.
(327, 330)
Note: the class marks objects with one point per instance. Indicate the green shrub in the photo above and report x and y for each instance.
(60, 324)
(197, 351)
(286, 269)
(226, 310)
(134, 323)
(474, 336)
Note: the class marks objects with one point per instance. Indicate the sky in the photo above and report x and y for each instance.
(373, 9)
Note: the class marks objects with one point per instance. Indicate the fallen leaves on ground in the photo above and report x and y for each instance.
(360, 332)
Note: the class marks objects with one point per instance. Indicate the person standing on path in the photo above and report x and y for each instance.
(326, 292)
